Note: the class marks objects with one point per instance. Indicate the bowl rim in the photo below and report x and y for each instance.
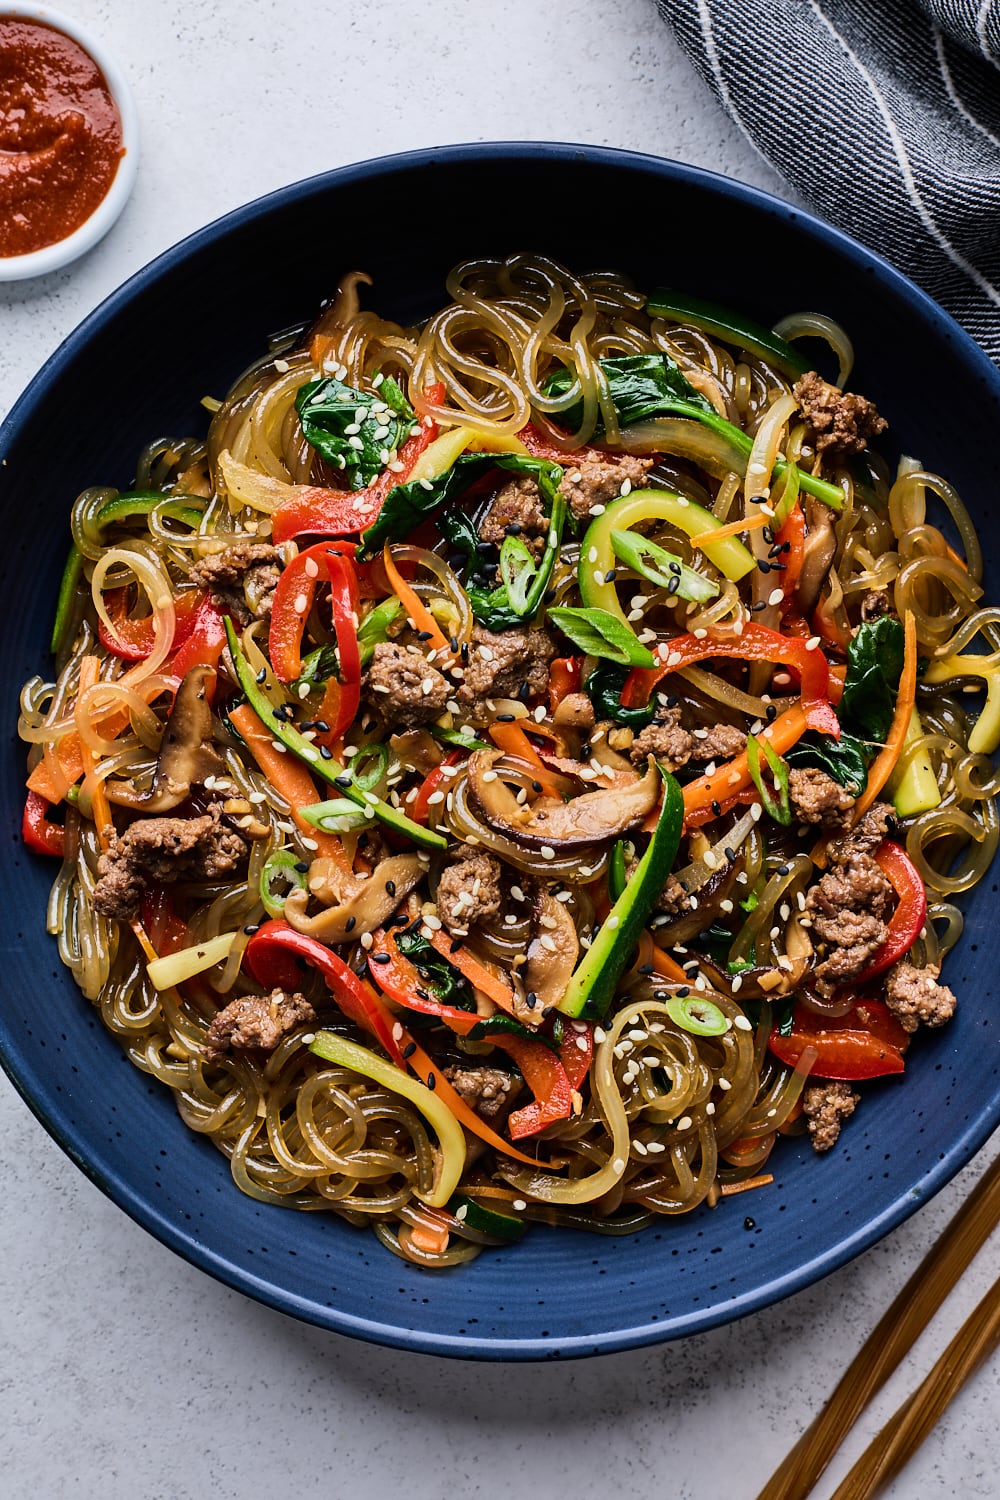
(60, 253)
(142, 1209)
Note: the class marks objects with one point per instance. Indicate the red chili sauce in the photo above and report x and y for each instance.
(60, 135)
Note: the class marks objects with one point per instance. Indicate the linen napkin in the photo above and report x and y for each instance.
(884, 115)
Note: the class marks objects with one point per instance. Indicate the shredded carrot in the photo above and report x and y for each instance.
(432, 1239)
(731, 528)
(885, 762)
(730, 1189)
(734, 776)
(62, 764)
(289, 777)
(412, 602)
(429, 1072)
(512, 740)
(478, 975)
(663, 964)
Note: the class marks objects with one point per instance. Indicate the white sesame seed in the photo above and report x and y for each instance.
(626, 487)
(775, 596)
(700, 633)
(435, 798)
(519, 1204)
(301, 604)
(547, 942)
(812, 644)
(547, 852)
(618, 1165)
(639, 1146)
(742, 1024)
(685, 1122)
(366, 942)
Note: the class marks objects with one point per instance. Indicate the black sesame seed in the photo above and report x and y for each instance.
(765, 567)
(390, 887)
(717, 809)
(514, 529)
(675, 568)
(378, 958)
(262, 675)
(661, 994)
(730, 855)
(536, 786)
(409, 1050)
(350, 924)
(431, 1082)
(761, 604)
(465, 651)
(326, 752)
(251, 929)
(453, 644)
(547, 1010)
(302, 867)
(673, 584)
(322, 726)
(646, 969)
(505, 718)
(772, 713)
(683, 992)
(767, 534)
(343, 781)
(424, 635)
(531, 999)
(400, 919)
(782, 870)
(776, 550)
(548, 596)
(609, 576)
(673, 700)
(424, 995)
(524, 691)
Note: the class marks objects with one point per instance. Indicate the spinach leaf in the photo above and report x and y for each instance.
(407, 505)
(599, 633)
(640, 385)
(846, 759)
(874, 666)
(506, 607)
(443, 981)
(604, 689)
(359, 432)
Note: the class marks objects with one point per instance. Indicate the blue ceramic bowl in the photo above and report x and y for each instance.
(186, 325)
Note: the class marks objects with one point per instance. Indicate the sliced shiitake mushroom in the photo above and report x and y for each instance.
(552, 953)
(187, 756)
(584, 820)
(361, 905)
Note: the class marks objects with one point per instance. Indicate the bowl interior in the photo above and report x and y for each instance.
(183, 329)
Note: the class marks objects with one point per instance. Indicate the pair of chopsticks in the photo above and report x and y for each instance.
(892, 1339)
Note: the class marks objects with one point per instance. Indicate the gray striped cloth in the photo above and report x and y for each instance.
(884, 115)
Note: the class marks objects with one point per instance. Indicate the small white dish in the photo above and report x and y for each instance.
(53, 257)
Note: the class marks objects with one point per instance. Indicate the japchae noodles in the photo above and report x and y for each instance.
(516, 768)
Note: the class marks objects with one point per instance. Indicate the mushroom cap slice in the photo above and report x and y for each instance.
(187, 756)
(550, 967)
(367, 902)
(585, 820)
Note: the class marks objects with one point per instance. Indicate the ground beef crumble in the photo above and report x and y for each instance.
(914, 996)
(407, 689)
(486, 1090)
(517, 509)
(843, 422)
(719, 742)
(505, 664)
(848, 906)
(161, 851)
(241, 578)
(817, 798)
(469, 890)
(257, 1021)
(667, 739)
(589, 480)
(826, 1106)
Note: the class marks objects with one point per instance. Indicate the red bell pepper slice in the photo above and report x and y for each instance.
(134, 639)
(293, 599)
(37, 831)
(757, 643)
(867, 1042)
(419, 811)
(546, 1078)
(401, 982)
(564, 678)
(576, 1051)
(319, 512)
(270, 958)
(204, 643)
(911, 909)
(792, 538)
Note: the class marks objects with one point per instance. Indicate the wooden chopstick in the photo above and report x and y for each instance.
(893, 1337)
(902, 1435)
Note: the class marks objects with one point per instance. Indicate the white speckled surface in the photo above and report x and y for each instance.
(125, 1372)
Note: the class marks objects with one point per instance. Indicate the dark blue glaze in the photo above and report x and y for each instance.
(184, 327)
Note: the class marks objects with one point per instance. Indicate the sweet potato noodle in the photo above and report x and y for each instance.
(442, 757)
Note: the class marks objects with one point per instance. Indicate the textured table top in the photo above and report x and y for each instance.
(126, 1372)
